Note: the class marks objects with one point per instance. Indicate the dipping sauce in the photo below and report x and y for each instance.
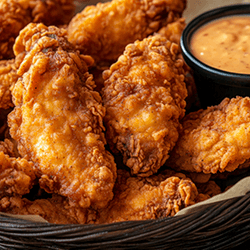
(224, 44)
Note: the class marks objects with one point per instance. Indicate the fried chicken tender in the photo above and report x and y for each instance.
(144, 96)
(171, 31)
(17, 175)
(207, 190)
(104, 30)
(138, 198)
(214, 140)
(58, 118)
(55, 210)
(16, 14)
(8, 77)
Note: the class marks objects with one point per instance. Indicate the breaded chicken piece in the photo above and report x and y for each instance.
(8, 77)
(104, 30)
(17, 175)
(171, 31)
(8, 147)
(214, 140)
(207, 190)
(138, 198)
(144, 96)
(55, 210)
(58, 118)
(16, 14)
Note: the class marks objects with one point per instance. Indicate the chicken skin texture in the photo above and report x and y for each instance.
(58, 118)
(17, 175)
(16, 14)
(104, 30)
(144, 96)
(214, 140)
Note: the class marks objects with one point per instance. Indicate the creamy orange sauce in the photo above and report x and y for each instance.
(224, 44)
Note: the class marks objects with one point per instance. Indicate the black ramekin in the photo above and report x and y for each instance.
(213, 85)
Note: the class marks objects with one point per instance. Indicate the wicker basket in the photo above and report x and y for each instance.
(221, 225)
(224, 225)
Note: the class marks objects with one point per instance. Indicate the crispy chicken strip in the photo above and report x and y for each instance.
(58, 118)
(8, 77)
(135, 198)
(104, 30)
(214, 140)
(138, 198)
(55, 210)
(144, 96)
(207, 190)
(16, 14)
(17, 175)
(171, 31)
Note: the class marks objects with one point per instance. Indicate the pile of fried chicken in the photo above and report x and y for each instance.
(94, 114)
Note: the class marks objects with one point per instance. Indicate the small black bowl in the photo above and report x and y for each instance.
(212, 84)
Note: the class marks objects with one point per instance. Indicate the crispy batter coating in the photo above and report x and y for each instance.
(58, 118)
(214, 140)
(8, 77)
(55, 210)
(17, 175)
(16, 14)
(173, 32)
(104, 30)
(144, 96)
(138, 198)
(207, 190)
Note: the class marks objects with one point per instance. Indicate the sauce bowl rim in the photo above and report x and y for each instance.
(199, 21)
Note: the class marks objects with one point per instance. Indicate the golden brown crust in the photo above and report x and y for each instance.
(57, 121)
(16, 14)
(144, 96)
(17, 176)
(138, 198)
(55, 210)
(214, 140)
(8, 77)
(104, 30)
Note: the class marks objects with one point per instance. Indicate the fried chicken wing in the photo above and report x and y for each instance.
(17, 175)
(138, 198)
(58, 118)
(104, 30)
(16, 14)
(214, 140)
(144, 96)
